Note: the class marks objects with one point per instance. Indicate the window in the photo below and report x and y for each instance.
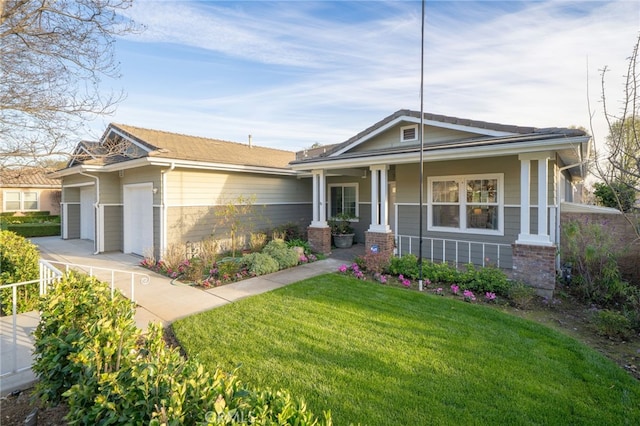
(343, 199)
(409, 133)
(466, 204)
(20, 201)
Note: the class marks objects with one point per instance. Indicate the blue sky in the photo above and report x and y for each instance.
(295, 73)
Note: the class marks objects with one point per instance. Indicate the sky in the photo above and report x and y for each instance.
(296, 73)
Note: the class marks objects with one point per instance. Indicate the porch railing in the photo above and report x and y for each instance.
(456, 251)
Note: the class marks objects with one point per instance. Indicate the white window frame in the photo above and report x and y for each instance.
(462, 203)
(21, 201)
(343, 185)
(403, 128)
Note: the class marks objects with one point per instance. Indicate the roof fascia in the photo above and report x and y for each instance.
(443, 154)
(433, 123)
(190, 164)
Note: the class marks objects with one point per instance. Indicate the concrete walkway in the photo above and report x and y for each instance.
(158, 299)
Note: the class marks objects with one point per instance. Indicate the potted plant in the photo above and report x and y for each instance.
(341, 230)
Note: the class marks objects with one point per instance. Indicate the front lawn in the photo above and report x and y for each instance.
(381, 355)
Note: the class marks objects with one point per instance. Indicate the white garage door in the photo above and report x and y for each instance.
(138, 217)
(87, 212)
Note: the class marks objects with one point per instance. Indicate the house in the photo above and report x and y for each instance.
(140, 191)
(487, 192)
(491, 193)
(28, 190)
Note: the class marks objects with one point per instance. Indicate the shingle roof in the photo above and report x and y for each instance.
(183, 147)
(26, 177)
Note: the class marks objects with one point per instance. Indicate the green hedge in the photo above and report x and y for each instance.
(26, 214)
(29, 230)
(31, 219)
(18, 262)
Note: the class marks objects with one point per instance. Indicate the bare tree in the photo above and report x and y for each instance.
(619, 157)
(53, 57)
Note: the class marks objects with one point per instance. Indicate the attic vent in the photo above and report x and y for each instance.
(409, 133)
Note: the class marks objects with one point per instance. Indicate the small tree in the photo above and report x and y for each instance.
(236, 216)
(617, 195)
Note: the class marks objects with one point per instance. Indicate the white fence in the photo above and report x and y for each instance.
(15, 358)
(457, 251)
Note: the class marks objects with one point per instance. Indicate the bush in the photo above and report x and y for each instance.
(612, 324)
(374, 263)
(18, 262)
(484, 279)
(406, 265)
(299, 242)
(285, 256)
(521, 295)
(440, 272)
(260, 263)
(29, 230)
(290, 231)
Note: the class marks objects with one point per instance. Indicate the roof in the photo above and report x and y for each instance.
(27, 178)
(162, 144)
(496, 133)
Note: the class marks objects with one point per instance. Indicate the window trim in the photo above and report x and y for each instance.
(403, 128)
(343, 185)
(462, 203)
(21, 201)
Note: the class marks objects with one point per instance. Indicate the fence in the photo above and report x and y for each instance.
(457, 251)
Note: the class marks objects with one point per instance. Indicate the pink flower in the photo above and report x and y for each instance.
(489, 296)
(469, 296)
(454, 289)
(439, 291)
(342, 268)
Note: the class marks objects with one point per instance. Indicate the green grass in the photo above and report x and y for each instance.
(380, 355)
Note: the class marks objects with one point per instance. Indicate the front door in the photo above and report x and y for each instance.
(87, 212)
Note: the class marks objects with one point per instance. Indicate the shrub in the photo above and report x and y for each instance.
(406, 265)
(29, 230)
(374, 263)
(66, 324)
(612, 324)
(484, 279)
(260, 263)
(299, 242)
(288, 231)
(521, 295)
(18, 262)
(285, 256)
(257, 241)
(443, 273)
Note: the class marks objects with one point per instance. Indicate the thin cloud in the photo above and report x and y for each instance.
(297, 73)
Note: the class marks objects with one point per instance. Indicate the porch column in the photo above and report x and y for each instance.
(319, 209)
(379, 199)
(542, 235)
(319, 233)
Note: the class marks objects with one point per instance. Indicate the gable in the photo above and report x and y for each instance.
(406, 134)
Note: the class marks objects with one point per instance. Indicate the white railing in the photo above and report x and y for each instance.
(108, 275)
(49, 275)
(439, 249)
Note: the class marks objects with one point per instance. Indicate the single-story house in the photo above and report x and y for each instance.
(140, 190)
(491, 193)
(26, 190)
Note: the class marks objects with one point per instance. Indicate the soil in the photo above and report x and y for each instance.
(565, 315)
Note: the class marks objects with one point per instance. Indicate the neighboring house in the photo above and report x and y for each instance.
(491, 192)
(28, 190)
(140, 190)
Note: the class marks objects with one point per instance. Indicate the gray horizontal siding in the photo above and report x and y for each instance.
(72, 221)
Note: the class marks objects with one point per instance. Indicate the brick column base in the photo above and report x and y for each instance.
(384, 240)
(535, 266)
(319, 239)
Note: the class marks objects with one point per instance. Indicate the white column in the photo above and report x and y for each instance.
(379, 199)
(543, 199)
(319, 219)
(525, 188)
(542, 236)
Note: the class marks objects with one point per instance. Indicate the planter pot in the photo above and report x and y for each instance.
(343, 240)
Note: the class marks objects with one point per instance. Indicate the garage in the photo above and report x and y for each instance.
(138, 217)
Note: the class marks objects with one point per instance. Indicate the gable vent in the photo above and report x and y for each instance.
(409, 133)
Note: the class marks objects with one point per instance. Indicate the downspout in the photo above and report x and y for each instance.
(163, 213)
(98, 234)
(558, 177)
